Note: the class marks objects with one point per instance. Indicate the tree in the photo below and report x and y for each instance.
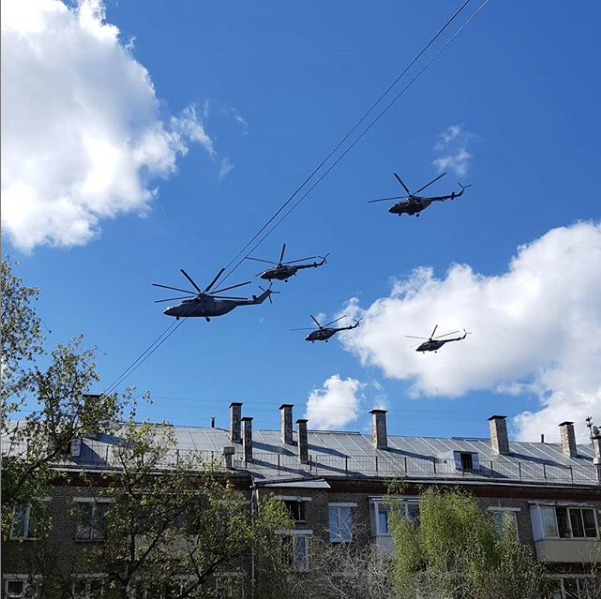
(57, 396)
(172, 524)
(456, 552)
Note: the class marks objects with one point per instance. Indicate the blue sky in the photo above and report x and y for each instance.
(264, 91)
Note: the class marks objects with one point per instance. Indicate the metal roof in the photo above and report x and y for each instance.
(347, 454)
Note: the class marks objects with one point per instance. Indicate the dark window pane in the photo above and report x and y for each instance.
(576, 521)
(590, 528)
(570, 587)
(562, 522)
(296, 510)
(466, 462)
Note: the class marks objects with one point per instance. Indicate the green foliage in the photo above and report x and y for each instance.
(56, 394)
(456, 552)
(173, 520)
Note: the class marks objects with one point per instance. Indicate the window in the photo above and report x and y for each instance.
(229, 585)
(574, 587)
(88, 587)
(504, 519)
(25, 525)
(409, 508)
(296, 509)
(467, 463)
(90, 519)
(340, 523)
(17, 586)
(296, 548)
(569, 523)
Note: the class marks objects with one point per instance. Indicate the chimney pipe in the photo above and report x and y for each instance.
(597, 454)
(499, 440)
(542, 437)
(212, 421)
(378, 429)
(568, 439)
(286, 423)
(235, 415)
(302, 440)
(247, 439)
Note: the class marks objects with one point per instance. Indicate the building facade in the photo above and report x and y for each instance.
(336, 488)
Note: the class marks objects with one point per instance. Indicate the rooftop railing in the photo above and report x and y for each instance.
(380, 464)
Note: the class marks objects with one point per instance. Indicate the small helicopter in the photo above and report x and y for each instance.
(205, 303)
(435, 343)
(282, 271)
(324, 332)
(414, 204)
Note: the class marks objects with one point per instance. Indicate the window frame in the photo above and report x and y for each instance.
(88, 579)
(27, 509)
(568, 521)
(382, 506)
(24, 579)
(340, 524)
(292, 535)
(505, 510)
(95, 533)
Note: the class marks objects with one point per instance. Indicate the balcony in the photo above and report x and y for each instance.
(575, 551)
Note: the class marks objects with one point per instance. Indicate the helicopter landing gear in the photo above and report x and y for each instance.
(417, 215)
(177, 318)
(207, 319)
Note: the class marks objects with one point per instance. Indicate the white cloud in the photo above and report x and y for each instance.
(226, 167)
(82, 135)
(453, 144)
(334, 405)
(536, 329)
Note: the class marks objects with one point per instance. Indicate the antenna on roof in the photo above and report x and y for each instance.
(593, 431)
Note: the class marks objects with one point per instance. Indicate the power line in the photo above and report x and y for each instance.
(341, 142)
(145, 354)
(354, 143)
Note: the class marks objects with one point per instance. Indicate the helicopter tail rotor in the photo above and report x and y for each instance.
(269, 291)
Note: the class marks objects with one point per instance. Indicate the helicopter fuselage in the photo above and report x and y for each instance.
(436, 344)
(280, 273)
(322, 334)
(205, 306)
(410, 206)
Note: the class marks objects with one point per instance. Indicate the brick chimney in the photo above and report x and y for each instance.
(235, 416)
(568, 439)
(286, 423)
(228, 456)
(302, 440)
(378, 429)
(498, 435)
(247, 438)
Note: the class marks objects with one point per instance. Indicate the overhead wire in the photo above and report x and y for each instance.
(174, 326)
(356, 140)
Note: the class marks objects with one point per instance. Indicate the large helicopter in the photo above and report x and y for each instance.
(414, 204)
(204, 303)
(282, 271)
(435, 343)
(324, 332)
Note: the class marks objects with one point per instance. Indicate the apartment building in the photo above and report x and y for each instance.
(335, 485)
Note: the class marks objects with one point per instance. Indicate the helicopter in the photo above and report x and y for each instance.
(205, 303)
(414, 204)
(435, 343)
(324, 332)
(282, 271)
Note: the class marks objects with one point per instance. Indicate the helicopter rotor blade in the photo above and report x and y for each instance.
(282, 254)
(171, 299)
(401, 182)
(434, 331)
(329, 323)
(214, 280)
(414, 337)
(259, 260)
(231, 287)
(447, 334)
(315, 320)
(191, 280)
(302, 259)
(303, 329)
(174, 288)
(428, 184)
(388, 199)
(412, 346)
